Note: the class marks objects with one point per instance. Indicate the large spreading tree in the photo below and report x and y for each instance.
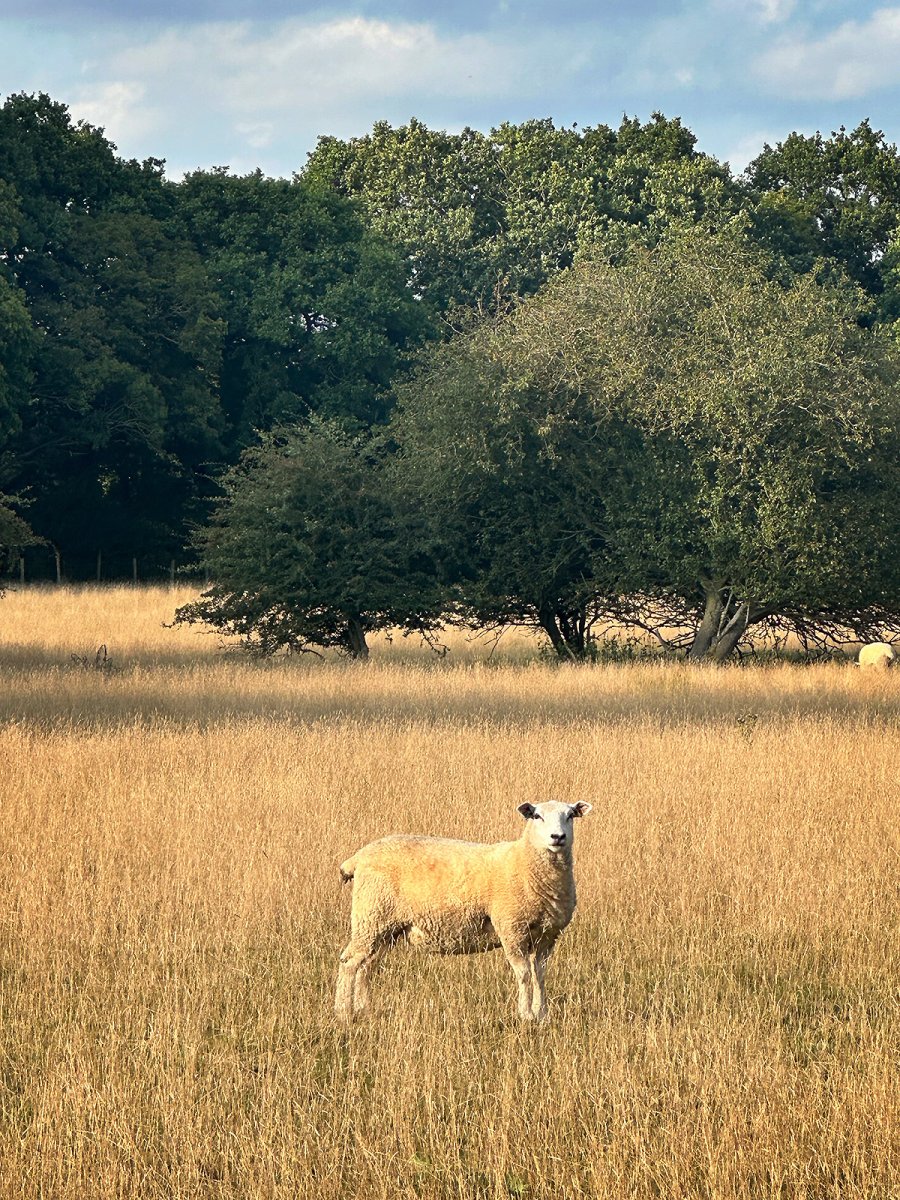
(677, 428)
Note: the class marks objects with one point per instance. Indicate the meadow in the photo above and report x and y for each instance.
(725, 1008)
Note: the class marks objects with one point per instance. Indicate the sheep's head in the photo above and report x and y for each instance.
(550, 824)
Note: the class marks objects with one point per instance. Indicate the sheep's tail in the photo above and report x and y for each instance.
(348, 869)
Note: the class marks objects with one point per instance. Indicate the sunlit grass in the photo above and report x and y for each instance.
(725, 1010)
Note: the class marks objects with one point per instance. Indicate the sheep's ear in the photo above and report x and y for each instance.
(581, 809)
(527, 811)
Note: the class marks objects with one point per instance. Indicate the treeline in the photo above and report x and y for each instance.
(543, 375)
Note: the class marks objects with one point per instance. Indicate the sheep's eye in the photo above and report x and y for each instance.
(569, 816)
(537, 816)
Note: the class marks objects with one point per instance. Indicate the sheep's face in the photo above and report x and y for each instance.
(550, 824)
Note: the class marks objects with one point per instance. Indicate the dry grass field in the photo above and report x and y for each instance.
(725, 1009)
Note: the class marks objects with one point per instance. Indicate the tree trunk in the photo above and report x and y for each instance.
(572, 626)
(731, 634)
(712, 617)
(547, 621)
(566, 631)
(725, 621)
(356, 637)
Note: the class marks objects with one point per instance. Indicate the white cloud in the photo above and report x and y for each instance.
(238, 87)
(854, 60)
(257, 134)
(244, 67)
(773, 12)
(120, 107)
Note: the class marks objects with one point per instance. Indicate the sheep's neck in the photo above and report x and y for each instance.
(543, 861)
(548, 877)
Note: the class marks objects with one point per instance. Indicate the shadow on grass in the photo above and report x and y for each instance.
(40, 687)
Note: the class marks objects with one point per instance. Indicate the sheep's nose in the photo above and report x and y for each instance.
(557, 838)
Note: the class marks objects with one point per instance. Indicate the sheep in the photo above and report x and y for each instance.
(877, 655)
(454, 897)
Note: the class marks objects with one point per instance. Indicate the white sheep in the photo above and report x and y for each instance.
(454, 897)
(877, 655)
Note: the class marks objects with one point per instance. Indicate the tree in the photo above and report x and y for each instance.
(123, 415)
(16, 352)
(836, 198)
(317, 313)
(16, 332)
(483, 218)
(311, 546)
(674, 427)
(489, 455)
(770, 428)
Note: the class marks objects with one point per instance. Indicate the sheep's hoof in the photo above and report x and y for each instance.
(534, 1018)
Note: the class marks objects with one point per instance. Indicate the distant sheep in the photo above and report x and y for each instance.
(454, 897)
(878, 656)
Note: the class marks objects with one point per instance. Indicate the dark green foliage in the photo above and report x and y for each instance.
(836, 198)
(316, 309)
(312, 545)
(148, 330)
(17, 336)
(123, 414)
(15, 534)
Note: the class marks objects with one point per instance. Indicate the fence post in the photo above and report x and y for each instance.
(99, 565)
(134, 578)
(58, 557)
(21, 568)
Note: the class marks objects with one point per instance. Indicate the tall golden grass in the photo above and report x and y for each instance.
(725, 1009)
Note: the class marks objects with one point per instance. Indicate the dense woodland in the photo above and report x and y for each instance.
(547, 376)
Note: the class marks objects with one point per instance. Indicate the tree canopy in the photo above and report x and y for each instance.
(315, 307)
(674, 426)
(835, 198)
(483, 217)
(311, 545)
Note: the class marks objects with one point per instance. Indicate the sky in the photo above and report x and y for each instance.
(248, 85)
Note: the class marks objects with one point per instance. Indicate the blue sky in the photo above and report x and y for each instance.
(231, 82)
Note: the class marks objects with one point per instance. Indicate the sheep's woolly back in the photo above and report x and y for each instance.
(457, 896)
(877, 655)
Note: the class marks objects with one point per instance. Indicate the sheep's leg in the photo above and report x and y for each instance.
(346, 978)
(539, 995)
(348, 997)
(521, 966)
(361, 984)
